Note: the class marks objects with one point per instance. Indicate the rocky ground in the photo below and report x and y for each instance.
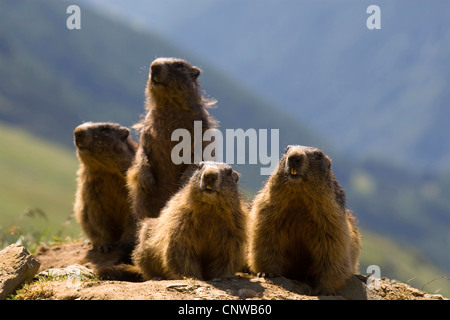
(64, 274)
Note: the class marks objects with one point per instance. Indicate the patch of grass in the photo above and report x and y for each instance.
(41, 287)
(26, 230)
(36, 290)
(37, 189)
(403, 264)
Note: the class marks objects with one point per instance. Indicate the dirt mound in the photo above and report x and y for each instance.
(236, 287)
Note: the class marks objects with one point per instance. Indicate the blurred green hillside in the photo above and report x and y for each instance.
(52, 79)
(37, 189)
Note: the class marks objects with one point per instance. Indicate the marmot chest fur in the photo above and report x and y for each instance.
(200, 233)
(300, 226)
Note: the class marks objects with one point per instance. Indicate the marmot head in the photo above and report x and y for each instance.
(301, 164)
(104, 145)
(214, 180)
(173, 78)
(309, 169)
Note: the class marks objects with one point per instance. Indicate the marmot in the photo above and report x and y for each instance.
(105, 152)
(201, 231)
(300, 226)
(173, 101)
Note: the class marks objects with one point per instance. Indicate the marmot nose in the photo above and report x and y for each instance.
(295, 161)
(156, 70)
(209, 178)
(79, 135)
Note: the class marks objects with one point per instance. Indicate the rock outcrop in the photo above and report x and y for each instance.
(17, 266)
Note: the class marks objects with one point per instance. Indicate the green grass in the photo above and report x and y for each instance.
(37, 188)
(404, 264)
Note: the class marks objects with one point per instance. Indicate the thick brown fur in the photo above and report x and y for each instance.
(173, 101)
(120, 272)
(201, 232)
(105, 152)
(300, 226)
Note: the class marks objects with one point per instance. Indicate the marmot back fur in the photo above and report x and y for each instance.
(173, 102)
(105, 152)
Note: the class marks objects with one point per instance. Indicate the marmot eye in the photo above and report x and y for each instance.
(318, 156)
(104, 129)
(178, 65)
(229, 172)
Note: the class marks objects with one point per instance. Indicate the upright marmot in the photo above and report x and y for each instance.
(200, 233)
(105, 152)
(300, 227)
(173, 102)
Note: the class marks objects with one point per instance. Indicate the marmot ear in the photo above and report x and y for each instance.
(124, 133)
(195, 72)
(287, 148)
(326, 163)
(236, 176)
(329, 162)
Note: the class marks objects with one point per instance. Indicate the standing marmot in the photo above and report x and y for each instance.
(200, 233)
(105, 152)
(300, 227)
(173, 102)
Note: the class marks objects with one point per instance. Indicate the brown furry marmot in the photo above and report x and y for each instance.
(300, 227)
(105, 152)
(173, 101)
(200, 233)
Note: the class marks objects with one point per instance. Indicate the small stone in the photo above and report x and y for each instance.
(247, 293)
(231, 292)
(202, 290)
(434, 296)
(356, 289)
(180, 287)
(74, 271)
(18, 266)
(417, 293)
